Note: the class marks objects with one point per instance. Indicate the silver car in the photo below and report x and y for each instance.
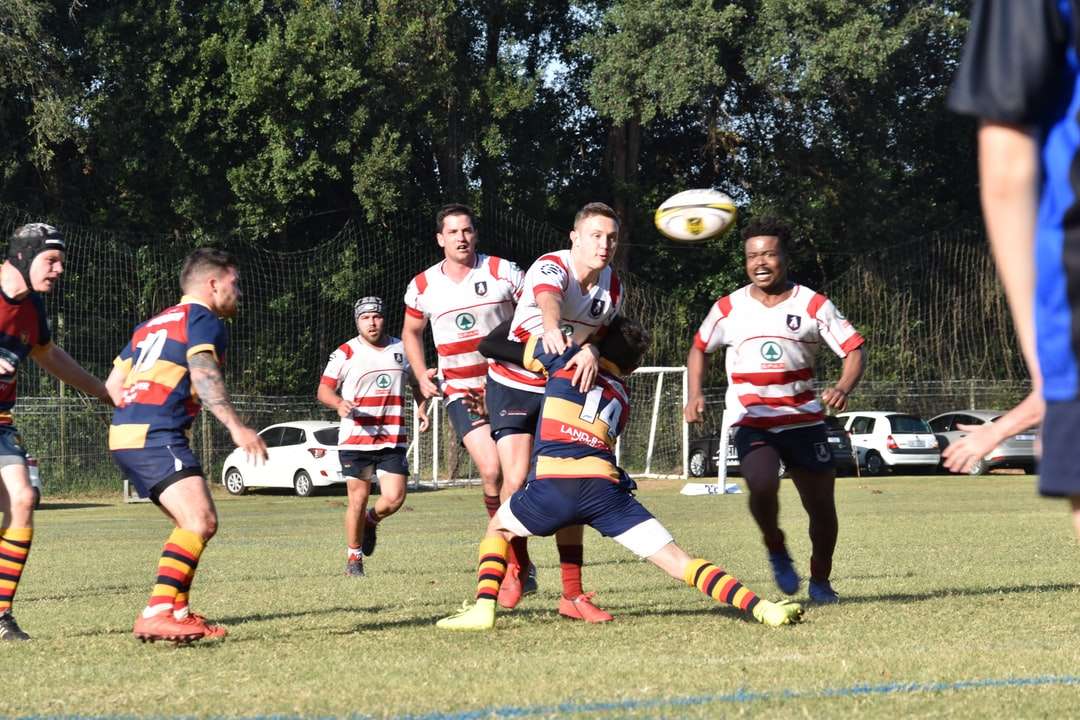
(1018, 451)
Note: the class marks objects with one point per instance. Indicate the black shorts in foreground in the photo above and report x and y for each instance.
(512, 411)
(152, 469)
(359, 465)
(463, 420)
(1059, 473)
(802, 447)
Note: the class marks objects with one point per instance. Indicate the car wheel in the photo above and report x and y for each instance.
(874, 464)
(302, 483)
(697, 463)
(979, 468)
(234, 482)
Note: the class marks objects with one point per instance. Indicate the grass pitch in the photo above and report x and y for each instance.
(960, 599)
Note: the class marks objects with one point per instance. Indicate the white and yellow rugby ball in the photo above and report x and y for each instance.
(695, 215)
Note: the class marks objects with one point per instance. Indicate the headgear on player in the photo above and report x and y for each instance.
(28, 241)
(369, 304)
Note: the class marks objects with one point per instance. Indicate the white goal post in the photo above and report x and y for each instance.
(654, 443)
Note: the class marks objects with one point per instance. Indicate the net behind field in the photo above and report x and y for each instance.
(931, 310)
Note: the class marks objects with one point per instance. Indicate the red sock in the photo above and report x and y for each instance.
(571, 558)
(491, 504)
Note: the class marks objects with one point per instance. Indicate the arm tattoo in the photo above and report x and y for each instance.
(210, 385)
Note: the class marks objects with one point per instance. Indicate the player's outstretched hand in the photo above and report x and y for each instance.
(554, 341)
(961, 455)
(585, 364)
(695, 409)
(834, 398)
(429, 386)
(250, 442)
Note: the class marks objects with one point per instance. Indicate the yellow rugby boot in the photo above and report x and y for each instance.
(778, 613)
(480, 616)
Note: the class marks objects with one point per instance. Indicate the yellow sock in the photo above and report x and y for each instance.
(492, 567)
(14, 548)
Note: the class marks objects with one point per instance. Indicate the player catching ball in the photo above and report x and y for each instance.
(161, 379)
(370, 372)
(574, 480)
(773, 329)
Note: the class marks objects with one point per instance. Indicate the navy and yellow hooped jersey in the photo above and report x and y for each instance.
(22, 327)
(159, 403)
(575, 436)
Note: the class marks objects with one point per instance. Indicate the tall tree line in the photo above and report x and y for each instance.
(284, 119)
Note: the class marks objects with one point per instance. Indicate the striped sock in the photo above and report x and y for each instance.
(492, 567)
(14, 547)
(183, 596)
(720, 586)
(571, 558)
(491, 504)
(176, 569)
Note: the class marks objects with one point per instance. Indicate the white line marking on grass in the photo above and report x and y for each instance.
(748, 696)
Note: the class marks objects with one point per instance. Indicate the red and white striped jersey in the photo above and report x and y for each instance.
(771, 353)
(374, 379)
(583, 313)
(462, 314)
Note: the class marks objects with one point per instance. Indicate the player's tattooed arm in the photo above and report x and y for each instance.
(210, 385)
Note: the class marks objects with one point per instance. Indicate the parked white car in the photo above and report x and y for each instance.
(301, 455)
(891, 440)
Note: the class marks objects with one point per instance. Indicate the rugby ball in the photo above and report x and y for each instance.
(695, 215)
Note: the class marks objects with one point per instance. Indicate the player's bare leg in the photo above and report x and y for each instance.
(485, 456)
(491, 572)
(391, 497)
(358, 490)
(761, 471)
(722, 587)
(16, 534)
(187, 502)
(1074, 501)
(514, 458)
(817, 492)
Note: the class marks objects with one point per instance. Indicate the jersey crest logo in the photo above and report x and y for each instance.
(597, 308)
(794, 322)
(398, 358)
(568, 330)
(822, 452)
(465, 321)
(480, 287)
(383, 381)
(771, 351)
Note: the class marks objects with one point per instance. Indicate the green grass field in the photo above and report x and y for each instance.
(960, 594)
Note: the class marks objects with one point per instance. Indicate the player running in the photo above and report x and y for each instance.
(773, 329)
(575, 480)
(35, 261)
(370, 371)
(569, 295)
(464, 296)
(161, 379)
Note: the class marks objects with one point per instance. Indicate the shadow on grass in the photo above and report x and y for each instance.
(70, 506)
(957, 592)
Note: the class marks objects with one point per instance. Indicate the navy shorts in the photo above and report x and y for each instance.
(1059, 473)
(804, 447)
(463, 420)
(512, 411)
(12, 451)
(545, 506)
(153, 469)
(360, 465)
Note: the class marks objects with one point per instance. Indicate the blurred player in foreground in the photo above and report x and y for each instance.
(162, 377)
(35, 261)
(370, 372)
(575, 481)
(1020, 76)
(772, 329)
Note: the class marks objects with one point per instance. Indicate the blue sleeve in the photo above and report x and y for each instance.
(550, 362)
(206, 332)
(1012, 70)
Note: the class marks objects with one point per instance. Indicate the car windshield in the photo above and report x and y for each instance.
(908, 424)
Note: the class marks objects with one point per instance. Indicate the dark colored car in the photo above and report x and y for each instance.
(704, 452)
